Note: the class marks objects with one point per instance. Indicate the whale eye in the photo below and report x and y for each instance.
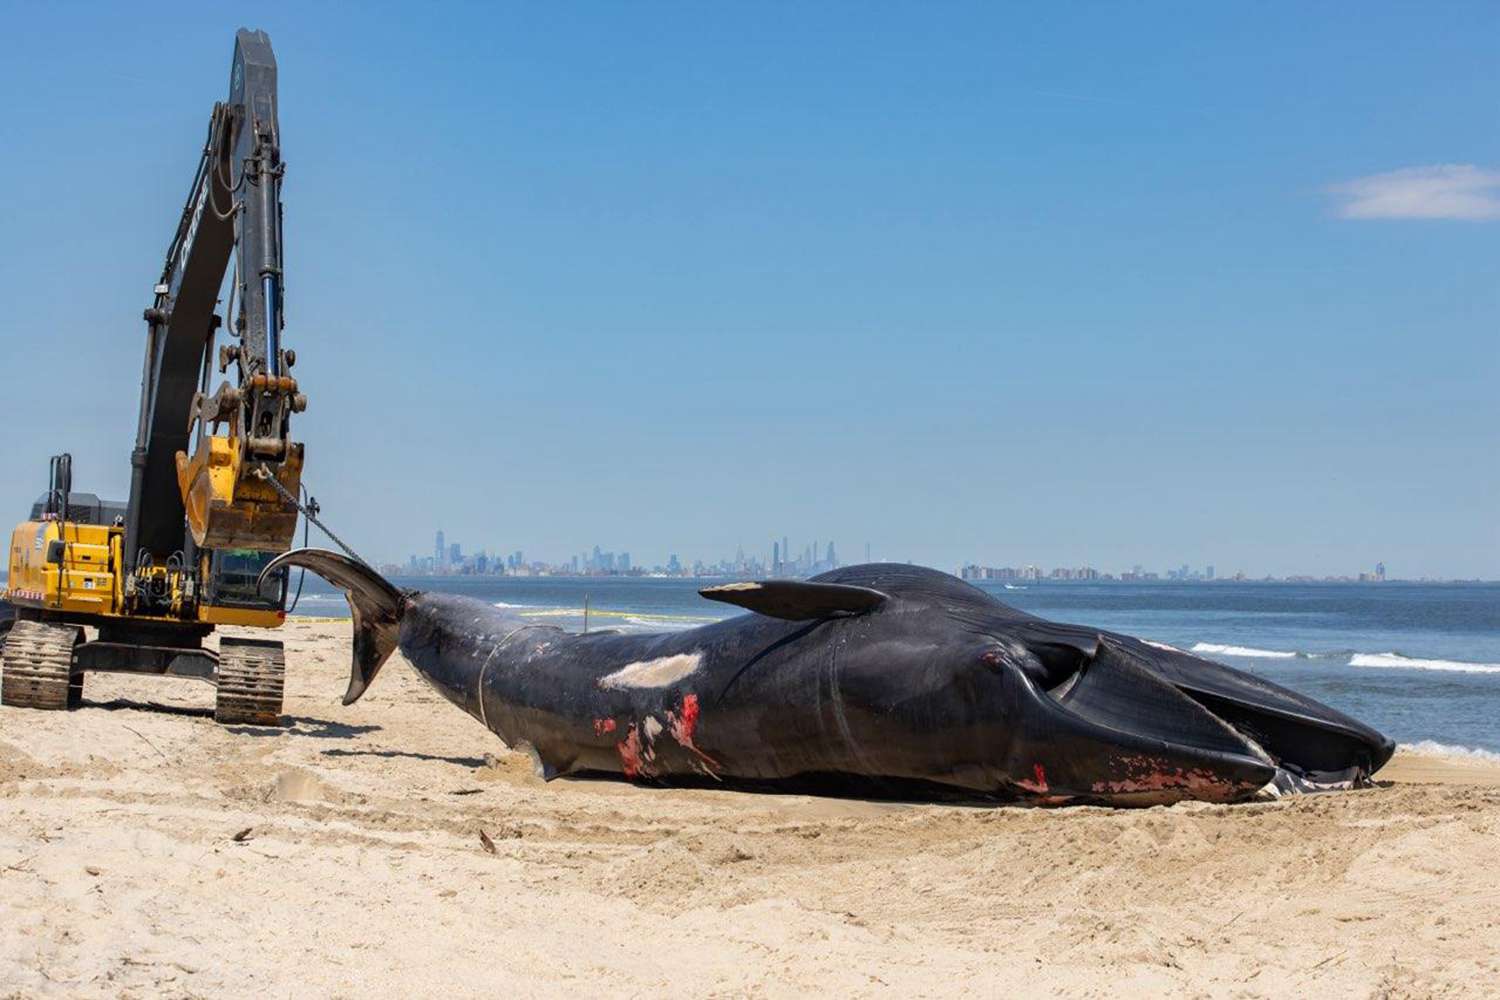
(1046, 668)
(1002, 653)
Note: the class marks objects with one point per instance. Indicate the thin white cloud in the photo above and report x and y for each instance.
(1444, 191)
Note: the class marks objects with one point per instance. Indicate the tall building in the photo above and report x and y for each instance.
(832, 560)
(1209, 572)
(455, 555)
(1380, 571)
(776, 558)
(440, 552)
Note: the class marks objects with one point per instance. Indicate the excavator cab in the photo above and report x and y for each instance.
(232, 580)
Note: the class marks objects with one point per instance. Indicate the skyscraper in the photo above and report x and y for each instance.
(776, 558)
(440, 552)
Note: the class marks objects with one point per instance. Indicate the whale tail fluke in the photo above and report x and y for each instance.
(374, 604)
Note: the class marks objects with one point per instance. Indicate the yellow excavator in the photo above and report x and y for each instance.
(214, 476)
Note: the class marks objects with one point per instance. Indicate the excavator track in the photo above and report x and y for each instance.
(36, 667)
(250, 679)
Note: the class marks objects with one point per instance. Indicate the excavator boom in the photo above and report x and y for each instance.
(218, 477)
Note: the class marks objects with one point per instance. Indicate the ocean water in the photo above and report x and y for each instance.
(1420, 662)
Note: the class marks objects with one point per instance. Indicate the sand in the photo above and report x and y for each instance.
(146, 851)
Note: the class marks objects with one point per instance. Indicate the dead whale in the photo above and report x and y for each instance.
(873, 676)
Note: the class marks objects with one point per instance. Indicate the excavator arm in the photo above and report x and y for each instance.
(206, 457)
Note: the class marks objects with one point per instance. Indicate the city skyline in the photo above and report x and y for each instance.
(449, 559)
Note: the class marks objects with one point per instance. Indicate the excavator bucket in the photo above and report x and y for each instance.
(230, 505)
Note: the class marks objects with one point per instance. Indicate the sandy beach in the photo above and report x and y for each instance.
(146, 851)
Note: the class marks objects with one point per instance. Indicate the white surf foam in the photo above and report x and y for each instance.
(639, 618)
(662, 624)
(1219, 649)
(1396, 660)
(507, 604)
(1432, 748)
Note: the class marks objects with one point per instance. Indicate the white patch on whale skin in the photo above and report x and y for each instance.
(651, 727)
(726, 587)
(1162, 645)
(655, 673)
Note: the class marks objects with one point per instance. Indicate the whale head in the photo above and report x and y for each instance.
(1071, 711)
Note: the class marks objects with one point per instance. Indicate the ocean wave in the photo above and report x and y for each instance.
(1219, 649)
(664, 624)
(1396, 660)
(661, 619)
(507, 604)
(1432, 748)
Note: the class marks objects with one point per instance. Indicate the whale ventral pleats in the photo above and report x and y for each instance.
(797, 600)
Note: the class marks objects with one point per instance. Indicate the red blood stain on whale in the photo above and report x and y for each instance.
(1039, 786)
(630, 753)
(684, 725)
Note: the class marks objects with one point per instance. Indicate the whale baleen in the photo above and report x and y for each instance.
(881, 676)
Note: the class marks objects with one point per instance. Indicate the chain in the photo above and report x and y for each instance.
(310, 512)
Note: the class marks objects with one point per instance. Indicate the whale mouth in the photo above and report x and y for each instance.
(1118, 690)
(374, 604)
(1221, 724)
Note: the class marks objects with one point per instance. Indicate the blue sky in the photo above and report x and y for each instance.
(1063, 285)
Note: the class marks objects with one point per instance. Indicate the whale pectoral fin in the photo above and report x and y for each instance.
(797, 600)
